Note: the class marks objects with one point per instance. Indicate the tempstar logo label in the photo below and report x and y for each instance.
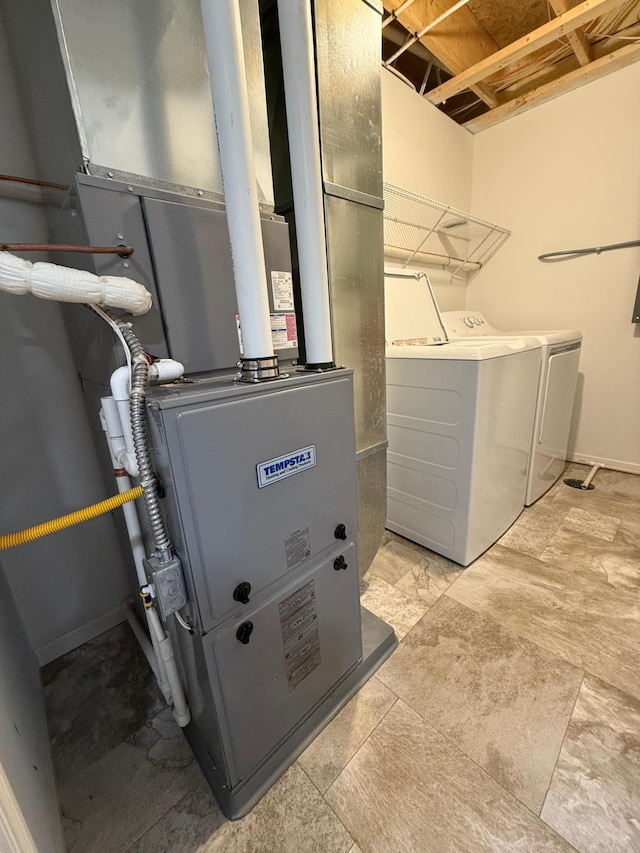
(285, 466)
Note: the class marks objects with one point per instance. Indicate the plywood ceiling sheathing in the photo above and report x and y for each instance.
(458, 42)
(543, 36)
(512, 54)
(574, 79)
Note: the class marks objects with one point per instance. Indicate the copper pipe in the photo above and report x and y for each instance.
(34, 182)
(122, 251)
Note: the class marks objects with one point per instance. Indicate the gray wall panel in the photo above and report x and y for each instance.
(25, 754)
(47, 461)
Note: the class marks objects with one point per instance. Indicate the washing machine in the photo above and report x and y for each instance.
(556, 391)
(460, 418)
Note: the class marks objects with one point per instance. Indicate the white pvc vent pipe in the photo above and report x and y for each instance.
(223, 37)
(63, 284)
(296, 37)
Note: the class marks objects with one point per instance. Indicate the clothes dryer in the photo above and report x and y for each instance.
(460, 419)
(556, 391)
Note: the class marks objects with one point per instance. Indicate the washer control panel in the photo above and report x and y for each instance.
(467, 323)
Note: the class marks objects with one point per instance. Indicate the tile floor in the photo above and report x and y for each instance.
(507, 719)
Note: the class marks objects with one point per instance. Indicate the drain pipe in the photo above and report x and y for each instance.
(223, 38)
(298, 65)
(596, 467)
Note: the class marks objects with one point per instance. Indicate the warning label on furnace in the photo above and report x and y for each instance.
(297, 547)
(282, 289)
(300, 635)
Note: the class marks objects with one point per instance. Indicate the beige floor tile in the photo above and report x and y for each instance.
(592, 523)
(612, 564)
(122, 795)
(619, 485)
(575, 615)
(502, 700)
(97, 696)
(628, 534)
(397, 609)
(408, 543)
(292, 817)
(603, 502)
(332, 750)
(593, 798)
(531, 532)
(410, 790)
(428, 579)
(392, 561)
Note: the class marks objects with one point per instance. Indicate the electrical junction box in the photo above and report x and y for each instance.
(260, 500)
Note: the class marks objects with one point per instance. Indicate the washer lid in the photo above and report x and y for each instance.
(467, 350)
(411, 311)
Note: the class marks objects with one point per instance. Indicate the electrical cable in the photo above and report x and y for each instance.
(183, 622)
(116, 329)
(20, 537)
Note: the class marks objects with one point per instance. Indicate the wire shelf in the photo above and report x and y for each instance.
(420, 230)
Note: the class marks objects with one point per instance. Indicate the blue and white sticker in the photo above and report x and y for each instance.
(286, 466)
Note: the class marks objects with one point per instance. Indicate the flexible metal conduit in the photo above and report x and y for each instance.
(139, 375)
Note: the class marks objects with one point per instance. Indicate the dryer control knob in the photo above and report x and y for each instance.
(244, 632)
(241, 592)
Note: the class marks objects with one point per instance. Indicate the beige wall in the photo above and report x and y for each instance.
(427, 153)
(564, 175)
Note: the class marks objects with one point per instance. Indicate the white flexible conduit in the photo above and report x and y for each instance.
(51, 281)
(223, 37)
(298, 64)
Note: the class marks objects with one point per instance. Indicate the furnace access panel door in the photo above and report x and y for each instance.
(258, 480)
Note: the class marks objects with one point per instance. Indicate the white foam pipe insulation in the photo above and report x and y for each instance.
(223, 38)
(298, 64)
(52, 281)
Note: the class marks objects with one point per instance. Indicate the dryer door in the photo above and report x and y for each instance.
(559, 390)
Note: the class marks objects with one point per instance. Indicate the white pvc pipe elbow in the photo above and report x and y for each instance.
(64, 284)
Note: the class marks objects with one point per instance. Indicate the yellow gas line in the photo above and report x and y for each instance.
(10, 540)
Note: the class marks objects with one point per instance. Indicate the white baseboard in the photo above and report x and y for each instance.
(82, 634)
(614, 464)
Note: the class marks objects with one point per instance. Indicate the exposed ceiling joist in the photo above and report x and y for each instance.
(577, 39)
(458, 41)
(548, 33)
(573, 80)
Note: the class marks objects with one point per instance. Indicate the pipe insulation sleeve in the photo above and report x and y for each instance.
(63, 284)
(223, 38)
(298, 64)
(10, 540)
(143, 641)
(181, 711)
